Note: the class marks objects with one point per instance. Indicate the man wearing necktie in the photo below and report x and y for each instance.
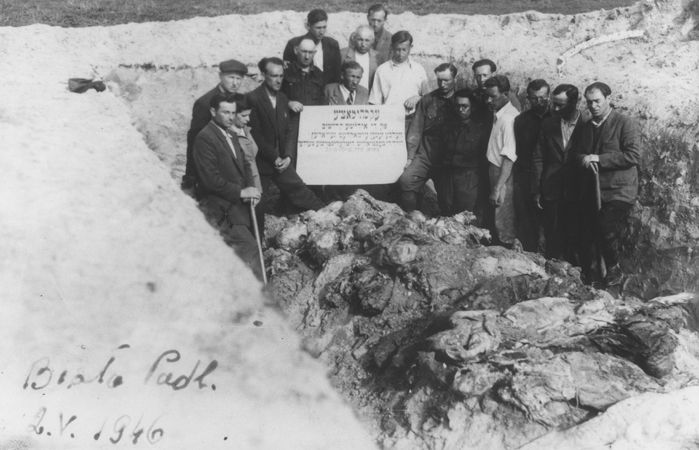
(225, 175)
(349, 91)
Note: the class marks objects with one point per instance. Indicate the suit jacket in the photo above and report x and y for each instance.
(382, 45)
(347, 54)
(619, 150)
(554, 174)
(334, 96)
(331, 56)
(269, 128)
(221, 176)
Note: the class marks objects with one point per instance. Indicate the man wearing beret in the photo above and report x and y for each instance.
(231, 75)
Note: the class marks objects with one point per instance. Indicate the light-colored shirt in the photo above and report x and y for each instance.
(396, 83)
(273, 99)
(363, 60)
(567, 129)
(599, 124)
(228, 139)
(501, 143)
(318, 56)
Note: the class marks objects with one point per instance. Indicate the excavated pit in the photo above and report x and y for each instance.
(435, 339)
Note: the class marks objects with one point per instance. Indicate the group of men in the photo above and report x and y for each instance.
(572, 174)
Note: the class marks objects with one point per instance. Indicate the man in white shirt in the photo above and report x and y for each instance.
(399, 81)
(501, 155)
(360, 51)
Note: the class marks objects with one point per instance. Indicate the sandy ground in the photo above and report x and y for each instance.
(99, 247)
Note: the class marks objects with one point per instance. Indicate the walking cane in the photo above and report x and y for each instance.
(259, 242)
(601, 266)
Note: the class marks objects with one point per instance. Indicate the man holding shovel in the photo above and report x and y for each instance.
(609, 149)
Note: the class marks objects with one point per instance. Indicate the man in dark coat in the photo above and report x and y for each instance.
(327, 57)
(376, 16)
(270, 128)
(609, 149)
(231, 74)
(527, 127)
(225, 179)
(424, 136)
(554, 182)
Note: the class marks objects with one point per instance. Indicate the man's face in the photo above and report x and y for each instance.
(400, 52)
(463, 107)
(377, 20)
(561, 106)
(224, 115)
(597, 103)
(481, 74)
(351, 78)
(363, 41)
(230, 82)
(318, 29)
(495, 98)
(274, 75)
(445, 83)
(242, 118)
(539, 100)
(305, 52)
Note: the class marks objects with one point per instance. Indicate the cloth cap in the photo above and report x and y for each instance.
(233, 66)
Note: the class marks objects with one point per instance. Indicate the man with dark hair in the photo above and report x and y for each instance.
(349, 91)
(377, 16)
(360, 51)
(399, 81)
(225, 180)
(483, 69)
(465, 143)
(608, 148)
(269, 123)
(527, 127)
(501, 154)
(554, 181)
(424, 137)
(231, 75)
(327, 56)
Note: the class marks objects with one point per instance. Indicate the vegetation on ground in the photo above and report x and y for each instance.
(80, 13)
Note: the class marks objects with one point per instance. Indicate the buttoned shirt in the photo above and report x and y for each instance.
(395, 83)
(227, 136)
(363, 60)
(501, 143)
(567, 128)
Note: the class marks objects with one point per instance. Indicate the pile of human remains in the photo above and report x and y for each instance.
(440, 340)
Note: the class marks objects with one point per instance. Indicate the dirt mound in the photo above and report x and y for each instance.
(442, 342)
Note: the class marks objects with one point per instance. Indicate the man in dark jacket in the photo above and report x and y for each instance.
(527, 127)
(609, 149)
(231, 75)
(424, 136)
(225, 179)
(554, 183)
(377, 16)
(270, 128)
(327, 57)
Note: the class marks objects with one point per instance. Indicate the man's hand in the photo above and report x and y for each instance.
(407, 163)
(590, 162)
(295, 106)
(411, 102)
(281, 164)
(537, 201)
(497, 197)
(250, 194)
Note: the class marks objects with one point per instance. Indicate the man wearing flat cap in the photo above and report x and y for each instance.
(231, 75)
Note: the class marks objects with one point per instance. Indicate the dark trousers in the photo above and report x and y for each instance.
(561, 220)
(457, 190)
(527, 217)
(284, 193)
(413, 179)
(603, 234)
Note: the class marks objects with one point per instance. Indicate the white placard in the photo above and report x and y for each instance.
(358, 144)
